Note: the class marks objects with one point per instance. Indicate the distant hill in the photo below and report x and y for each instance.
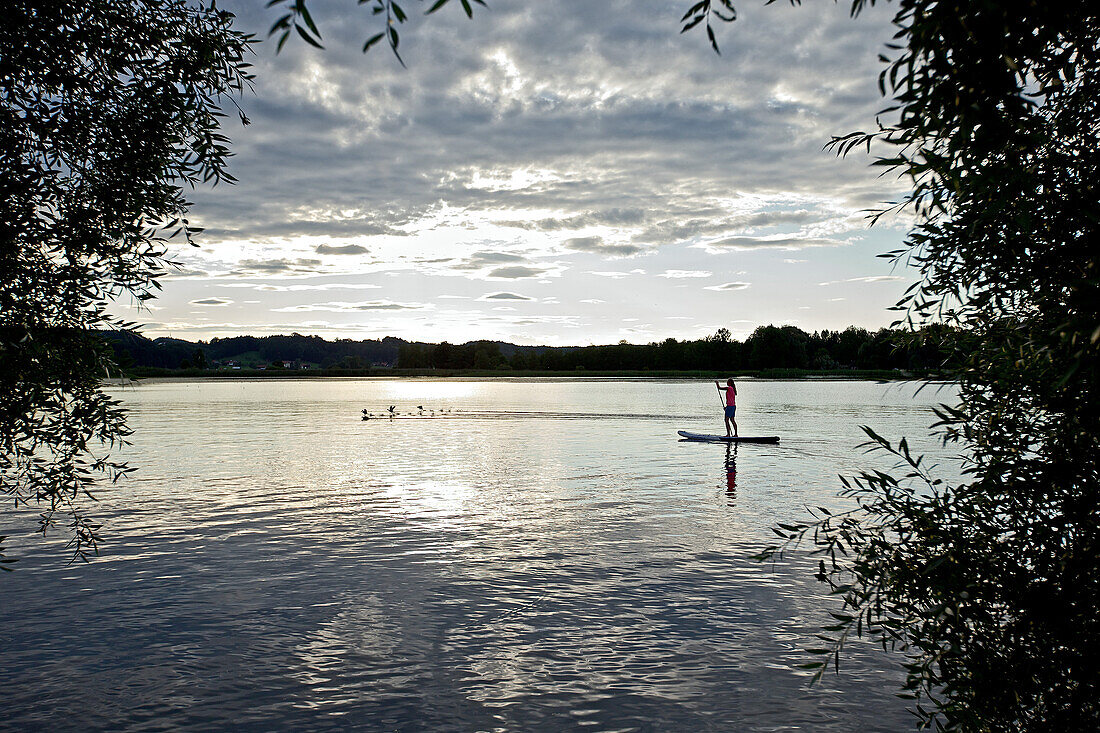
(133, 349)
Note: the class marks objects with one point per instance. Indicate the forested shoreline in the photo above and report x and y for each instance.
(768, 351)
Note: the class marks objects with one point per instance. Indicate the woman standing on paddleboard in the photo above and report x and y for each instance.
(731, 405)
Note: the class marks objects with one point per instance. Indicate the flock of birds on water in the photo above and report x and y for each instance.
(392, 412)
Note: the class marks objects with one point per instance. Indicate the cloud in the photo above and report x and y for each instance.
(728, 286)
(775, 217)
(347, 249)
(584, 118)
(268, 288)
(211, 301)
(481, 260)
(511, 180)
(281, 266)
(344, 307)
(614, 216)
(867, 279)
(504, 296)
(616, 274)
(679, 274)
(185, 272)
(517, 272)
(500, 266)
(780, 242)
(875, 279)
(597, 245)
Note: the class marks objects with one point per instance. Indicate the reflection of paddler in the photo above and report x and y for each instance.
(731, 469)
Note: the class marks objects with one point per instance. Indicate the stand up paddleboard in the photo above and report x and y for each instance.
(726, 439)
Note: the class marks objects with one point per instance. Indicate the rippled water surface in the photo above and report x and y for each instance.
(523, 555)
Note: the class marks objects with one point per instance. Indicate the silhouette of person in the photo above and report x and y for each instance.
(731, 405)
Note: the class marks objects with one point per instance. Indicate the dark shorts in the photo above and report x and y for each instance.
(731, 410)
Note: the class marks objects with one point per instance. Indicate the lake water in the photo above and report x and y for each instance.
(525, 555)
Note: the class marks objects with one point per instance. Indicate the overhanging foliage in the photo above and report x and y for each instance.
(990, 588)
(108, 111)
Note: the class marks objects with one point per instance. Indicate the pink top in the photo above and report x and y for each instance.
(731, 397)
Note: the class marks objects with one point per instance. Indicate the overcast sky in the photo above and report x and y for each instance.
(551, 172)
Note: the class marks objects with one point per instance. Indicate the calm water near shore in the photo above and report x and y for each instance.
(524, 555)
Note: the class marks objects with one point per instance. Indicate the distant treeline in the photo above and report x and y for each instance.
(769, 347)
(135, 350)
